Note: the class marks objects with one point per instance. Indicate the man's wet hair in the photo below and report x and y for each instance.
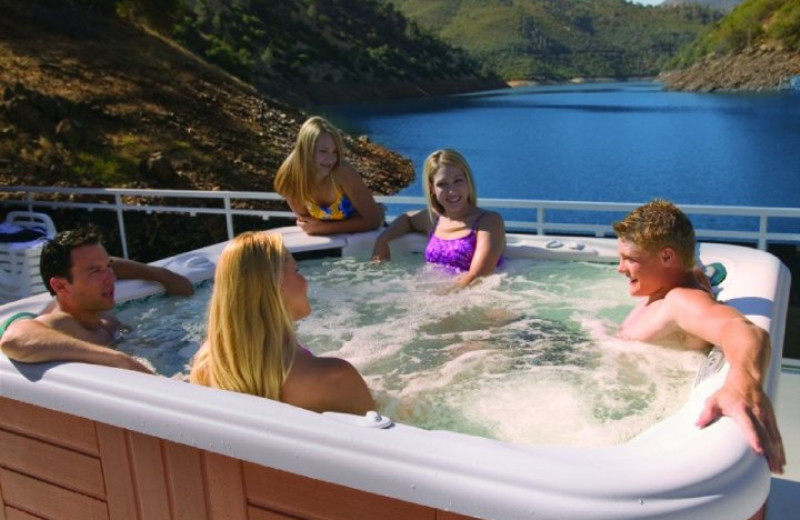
(659, 224)
(56, 258)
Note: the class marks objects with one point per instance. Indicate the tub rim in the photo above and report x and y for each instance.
(462, 473)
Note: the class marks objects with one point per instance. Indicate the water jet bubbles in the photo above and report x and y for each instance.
(490, 360)
(526, 355)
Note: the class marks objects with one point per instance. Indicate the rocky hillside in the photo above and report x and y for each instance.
(755, 47)
(322, 51)
(753, 70)
(89, 100)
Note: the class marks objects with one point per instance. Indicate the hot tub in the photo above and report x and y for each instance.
(105, 442)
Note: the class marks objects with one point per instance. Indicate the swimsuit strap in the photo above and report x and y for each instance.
(477, 221)
(472, 231)
(435, 223)
(336, 191)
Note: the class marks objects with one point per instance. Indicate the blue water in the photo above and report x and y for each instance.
(614, 142)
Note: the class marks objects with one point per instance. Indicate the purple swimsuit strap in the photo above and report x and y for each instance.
(473, 230)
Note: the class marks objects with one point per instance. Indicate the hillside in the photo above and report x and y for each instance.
(755, 47)
(320, 51)
(90, 100)
(751, 70)
(557, 40)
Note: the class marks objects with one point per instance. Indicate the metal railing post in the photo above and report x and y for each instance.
(540, 220)
(762, 232)
(121, 222)
(229, 217)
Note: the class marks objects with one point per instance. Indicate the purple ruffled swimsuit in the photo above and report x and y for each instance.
(457, 252)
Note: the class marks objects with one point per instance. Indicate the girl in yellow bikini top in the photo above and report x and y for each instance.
(315, 173)
(340, 209)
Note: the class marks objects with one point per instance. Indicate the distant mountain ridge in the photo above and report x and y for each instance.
(721, 5)
(558, 40)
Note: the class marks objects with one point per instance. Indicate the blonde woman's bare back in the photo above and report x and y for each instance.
(325, 384)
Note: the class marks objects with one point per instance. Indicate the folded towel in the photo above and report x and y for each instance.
(10, 233)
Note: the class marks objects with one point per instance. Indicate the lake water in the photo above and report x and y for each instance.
(613, 142)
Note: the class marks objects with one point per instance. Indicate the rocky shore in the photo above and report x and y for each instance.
(756, 69)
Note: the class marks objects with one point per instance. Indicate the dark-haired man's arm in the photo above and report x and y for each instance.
(174, 283)
(31, 341)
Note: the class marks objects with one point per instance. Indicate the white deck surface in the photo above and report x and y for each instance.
(784, 496)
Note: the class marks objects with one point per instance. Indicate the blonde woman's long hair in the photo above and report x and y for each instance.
(435, 161)
(251, 339)
(295, 178)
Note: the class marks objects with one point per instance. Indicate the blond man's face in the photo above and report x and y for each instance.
(644, 269)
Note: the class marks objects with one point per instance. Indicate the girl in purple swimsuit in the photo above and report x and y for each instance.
(462, 236)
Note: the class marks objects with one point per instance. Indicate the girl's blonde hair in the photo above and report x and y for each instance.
(251, 339)
(435, 161)
(295, 177)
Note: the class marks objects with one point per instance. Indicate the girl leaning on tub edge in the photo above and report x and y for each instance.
(325, 191)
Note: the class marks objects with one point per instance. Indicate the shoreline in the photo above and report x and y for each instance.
(308, 96)
(753, 70)
(517, 83)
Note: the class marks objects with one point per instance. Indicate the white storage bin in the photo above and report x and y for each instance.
(19, 261)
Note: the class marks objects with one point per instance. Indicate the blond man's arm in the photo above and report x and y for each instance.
(747, 349)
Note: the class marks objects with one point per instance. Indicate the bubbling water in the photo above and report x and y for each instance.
(165, 333)
(526, 355)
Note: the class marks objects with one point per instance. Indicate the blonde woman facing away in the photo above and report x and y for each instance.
(251, 346)
(461, 235)
(325, 192)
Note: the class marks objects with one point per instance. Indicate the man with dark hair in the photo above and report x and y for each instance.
(79, 326)
(657, 254)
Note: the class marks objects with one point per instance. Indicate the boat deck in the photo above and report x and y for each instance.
(784, 497)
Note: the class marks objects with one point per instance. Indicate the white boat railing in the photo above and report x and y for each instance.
(535, 213)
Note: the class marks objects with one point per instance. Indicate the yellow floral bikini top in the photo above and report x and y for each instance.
(340, 209)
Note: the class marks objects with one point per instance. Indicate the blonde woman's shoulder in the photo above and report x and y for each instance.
(325, 384)
(345, 172)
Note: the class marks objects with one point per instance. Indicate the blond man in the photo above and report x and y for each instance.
(657, 255)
